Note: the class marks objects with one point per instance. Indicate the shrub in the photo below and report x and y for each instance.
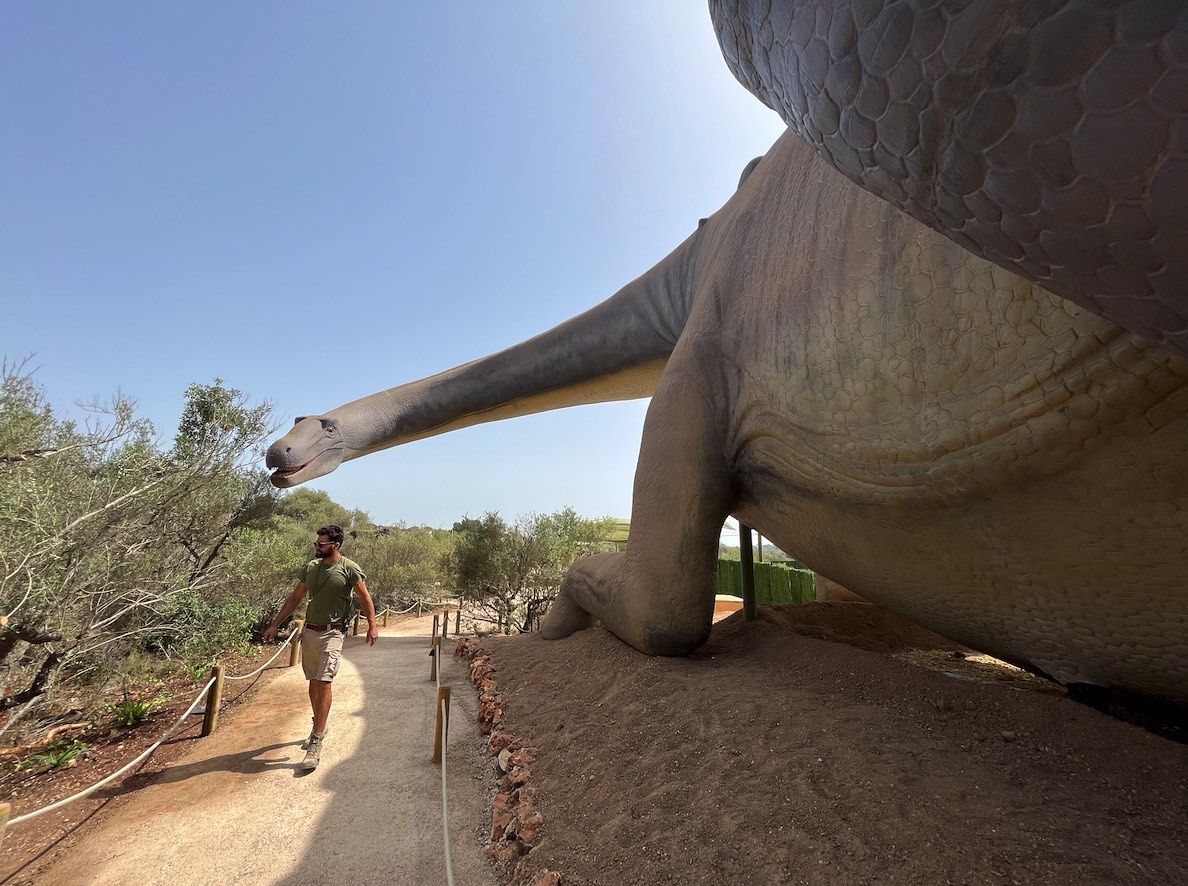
(201, 630)
(129, 712)
(61, 752)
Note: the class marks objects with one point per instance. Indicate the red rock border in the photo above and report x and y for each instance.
(516, 823)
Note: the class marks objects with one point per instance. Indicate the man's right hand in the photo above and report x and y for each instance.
(269, 633)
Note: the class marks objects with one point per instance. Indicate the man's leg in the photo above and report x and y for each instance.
(319, 699)
(321, 694)
(320, 672)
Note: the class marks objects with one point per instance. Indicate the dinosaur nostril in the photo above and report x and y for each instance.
(288, 449)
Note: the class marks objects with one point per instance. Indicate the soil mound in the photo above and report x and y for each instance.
(773, 756)
(856, 624)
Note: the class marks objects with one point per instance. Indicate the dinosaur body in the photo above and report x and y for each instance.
(1045, 135)
(936, 432)
(954, 442)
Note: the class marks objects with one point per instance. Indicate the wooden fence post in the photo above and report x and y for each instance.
(443, 694)
(295, 645)
(385, 617)
(458, 622)
(445, 625)
(214, 697)
(5, 811)
(433, 636)
(434, 652)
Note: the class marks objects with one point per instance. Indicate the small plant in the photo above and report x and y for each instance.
(61, 752)
(199, 672)
(129, 712)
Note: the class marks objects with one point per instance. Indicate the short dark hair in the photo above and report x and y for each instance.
(332, 532)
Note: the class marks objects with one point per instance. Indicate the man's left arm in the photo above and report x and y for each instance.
(368, 606)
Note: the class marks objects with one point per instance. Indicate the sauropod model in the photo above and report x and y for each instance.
(940, 434)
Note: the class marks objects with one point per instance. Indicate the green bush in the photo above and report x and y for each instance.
(201, 630)
(61, 752)
(129, 712)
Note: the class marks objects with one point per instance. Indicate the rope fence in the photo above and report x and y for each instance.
(441, 738)
(147, 752)
(264, 666)
(212, 692)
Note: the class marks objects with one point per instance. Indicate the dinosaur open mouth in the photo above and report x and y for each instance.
(322, 463)
(283, 477)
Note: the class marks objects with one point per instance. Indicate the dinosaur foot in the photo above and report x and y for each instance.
(564, 617)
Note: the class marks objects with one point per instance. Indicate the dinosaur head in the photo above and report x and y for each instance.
(314, 447)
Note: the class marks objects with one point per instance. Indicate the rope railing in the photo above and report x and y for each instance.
(442, 712)
(264, 666)
(443, 729)
(444, 708)
(391, 611)
(144, 755)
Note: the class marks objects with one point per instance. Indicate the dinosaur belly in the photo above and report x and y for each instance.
(965, 448)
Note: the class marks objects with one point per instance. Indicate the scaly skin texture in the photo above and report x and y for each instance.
(1049, 136)
(945, 438)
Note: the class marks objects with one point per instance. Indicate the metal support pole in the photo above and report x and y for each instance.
(443, 694)
(295, 644)
(214, 697)
(748, 572)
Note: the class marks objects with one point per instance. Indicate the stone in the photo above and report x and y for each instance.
(506, 850)
(521, 758)
(499, 740)
(520, 777)
(529, 828)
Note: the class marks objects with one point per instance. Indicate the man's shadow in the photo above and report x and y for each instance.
(244, 762)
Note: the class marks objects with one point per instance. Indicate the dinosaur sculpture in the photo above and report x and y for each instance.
(946, 437)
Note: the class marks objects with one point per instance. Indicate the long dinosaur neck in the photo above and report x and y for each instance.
(615, 351)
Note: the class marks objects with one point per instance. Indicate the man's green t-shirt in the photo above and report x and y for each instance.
(330, 589)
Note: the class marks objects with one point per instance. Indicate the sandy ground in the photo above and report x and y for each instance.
(775, 756)
(237, 810)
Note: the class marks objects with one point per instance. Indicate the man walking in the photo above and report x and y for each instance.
(329, 580)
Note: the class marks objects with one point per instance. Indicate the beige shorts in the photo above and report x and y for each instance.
(320, 653)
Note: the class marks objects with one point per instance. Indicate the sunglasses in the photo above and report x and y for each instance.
(323, 544)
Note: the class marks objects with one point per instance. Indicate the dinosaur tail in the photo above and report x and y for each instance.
(614, 351)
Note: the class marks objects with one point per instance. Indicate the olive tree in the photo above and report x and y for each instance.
(107, 532)
(510, 572)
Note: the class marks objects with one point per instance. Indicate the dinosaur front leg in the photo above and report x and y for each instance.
(659, 595)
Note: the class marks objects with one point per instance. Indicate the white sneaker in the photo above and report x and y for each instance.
(313, 754)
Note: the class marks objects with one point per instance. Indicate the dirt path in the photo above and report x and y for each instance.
(238, 810)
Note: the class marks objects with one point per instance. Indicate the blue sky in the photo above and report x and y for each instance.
(317, 201)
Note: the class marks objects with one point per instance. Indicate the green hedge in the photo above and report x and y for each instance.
(774, 582)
